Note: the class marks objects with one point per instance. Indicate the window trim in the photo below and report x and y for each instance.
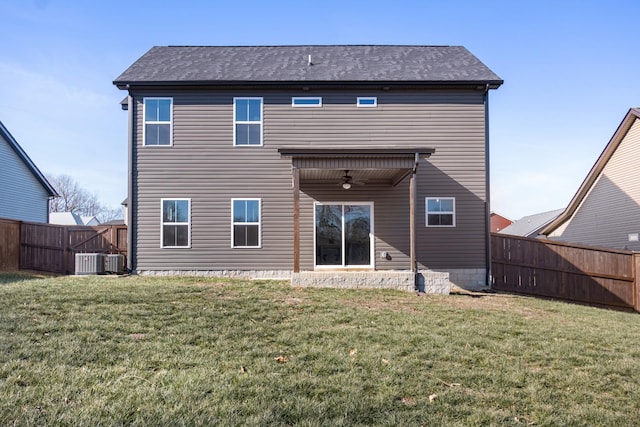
(145, 122)
(162, 223)
(259, 223)
(362, 98)
(294, 99)
(249, 122)
(452, 212)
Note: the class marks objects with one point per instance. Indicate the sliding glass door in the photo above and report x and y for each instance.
(343, 234)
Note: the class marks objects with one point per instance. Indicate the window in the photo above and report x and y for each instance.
(441, 211)
(176, 214)
(247, 118)
(306, 101)
(367, 101)
(344, 235)
(157, 121)
(246, 223)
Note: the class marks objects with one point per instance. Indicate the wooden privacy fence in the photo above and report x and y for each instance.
(567, 271)
(52, 248)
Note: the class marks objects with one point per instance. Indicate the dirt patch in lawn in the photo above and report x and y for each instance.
(459, 300)
(490, 301)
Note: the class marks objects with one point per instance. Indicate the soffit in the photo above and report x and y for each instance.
(379, 165)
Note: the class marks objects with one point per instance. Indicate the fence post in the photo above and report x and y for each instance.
(66, 249)
(636, 281)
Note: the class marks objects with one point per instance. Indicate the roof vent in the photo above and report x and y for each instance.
(310, 63)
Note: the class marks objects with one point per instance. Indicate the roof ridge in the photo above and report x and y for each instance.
(313, 45)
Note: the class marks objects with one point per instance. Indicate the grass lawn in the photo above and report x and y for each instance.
(201, 351)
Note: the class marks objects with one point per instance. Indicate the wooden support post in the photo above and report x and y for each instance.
(412, 220)
(296, 220)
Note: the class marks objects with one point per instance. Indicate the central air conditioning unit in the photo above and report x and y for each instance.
(89, 264)
(114, 264)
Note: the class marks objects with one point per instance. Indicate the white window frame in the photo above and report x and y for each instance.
(296, 99)
(362, 98)
(259, 223)
(372, 239)
(452, 212)
(248, 122)
(162, 223)
(159, 122)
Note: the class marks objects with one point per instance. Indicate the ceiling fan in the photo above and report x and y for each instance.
(347, 181)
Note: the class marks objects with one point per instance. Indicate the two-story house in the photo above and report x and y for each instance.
(273, 161)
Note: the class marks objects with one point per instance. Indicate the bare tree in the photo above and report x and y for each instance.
(76, 199)
(108, 214)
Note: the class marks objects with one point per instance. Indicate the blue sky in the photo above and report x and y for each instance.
(569, 68)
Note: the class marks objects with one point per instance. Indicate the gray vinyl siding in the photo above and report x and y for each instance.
(22, 196)
(204, 165)
(611, 210)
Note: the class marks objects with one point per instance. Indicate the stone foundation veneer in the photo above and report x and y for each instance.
(231, 274)
(471, 279)
(429, 281)
(433, 282)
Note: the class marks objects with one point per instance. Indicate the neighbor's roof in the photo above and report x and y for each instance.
(6, 135)
(529, 226)
(319, 64)
(72, 218)
(632, 115)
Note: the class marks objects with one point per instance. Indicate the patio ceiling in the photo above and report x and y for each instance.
(379, 165)
(366, 176)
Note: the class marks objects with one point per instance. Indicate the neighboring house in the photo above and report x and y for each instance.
(530, 225)
(498, 222)
(71, 218)
(24, 190)
(605, 211)
(272, 160)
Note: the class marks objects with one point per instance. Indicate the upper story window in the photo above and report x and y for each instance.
(247, 120)
(367, 101)
(246, 223)
(176, 223)
(441, 211)
(157, 121)
(306, 101)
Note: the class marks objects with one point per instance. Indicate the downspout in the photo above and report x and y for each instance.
(487, 222)
(130, 200)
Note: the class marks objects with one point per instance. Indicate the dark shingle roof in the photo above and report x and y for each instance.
(350, 63)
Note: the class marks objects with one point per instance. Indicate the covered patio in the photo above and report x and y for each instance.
(344, 168)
